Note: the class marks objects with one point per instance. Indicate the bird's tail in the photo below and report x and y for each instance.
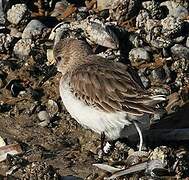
(172, 128)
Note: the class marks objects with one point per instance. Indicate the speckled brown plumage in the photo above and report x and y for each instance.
(108, 87)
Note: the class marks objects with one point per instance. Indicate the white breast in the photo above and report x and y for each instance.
(109, 123)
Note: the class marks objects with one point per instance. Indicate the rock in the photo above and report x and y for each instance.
(137, 55)
(18, 13)
(23, 48)
(179, 51)
(158, 75)
(33, 29)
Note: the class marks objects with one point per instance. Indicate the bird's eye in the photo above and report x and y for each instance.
(58, 58)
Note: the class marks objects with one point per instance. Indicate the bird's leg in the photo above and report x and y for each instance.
(140, 135)
(102, 138)
(105, 149)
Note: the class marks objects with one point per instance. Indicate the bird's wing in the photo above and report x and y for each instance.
(110, 88)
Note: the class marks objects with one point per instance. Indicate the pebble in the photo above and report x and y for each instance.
(33, 29)
(23, 48)
(44, 118)
(18, 13)
(52, 107)
(139, 54)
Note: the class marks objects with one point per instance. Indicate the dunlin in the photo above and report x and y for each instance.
(101, 95)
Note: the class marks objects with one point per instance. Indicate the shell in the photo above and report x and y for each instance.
(171, 26)
(18, 14)
(122, 10)
(2, 142)
(104, 4)
(142, 18)
(2, 16)
(176, 9)
(98, 32)
(153, 7)
(5, 42)
(187, 42)
(40, 170)
(9, 149)
(95, 31)
(52, 107)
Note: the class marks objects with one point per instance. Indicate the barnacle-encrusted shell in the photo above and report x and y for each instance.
(122, 10)
(19, 13)
(153, 8)
(99, 33)
(177, 9)
(23, 47)
(40, 170)
(142, 18)
(5, 42)
(171, 26)
(93, 29)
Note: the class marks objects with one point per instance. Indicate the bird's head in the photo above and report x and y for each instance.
(69, 53)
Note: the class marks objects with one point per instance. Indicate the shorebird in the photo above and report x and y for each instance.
(102, 95)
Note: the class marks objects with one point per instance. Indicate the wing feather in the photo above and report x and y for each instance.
(110, 87)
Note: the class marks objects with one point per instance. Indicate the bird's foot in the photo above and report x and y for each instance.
(105, 149)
